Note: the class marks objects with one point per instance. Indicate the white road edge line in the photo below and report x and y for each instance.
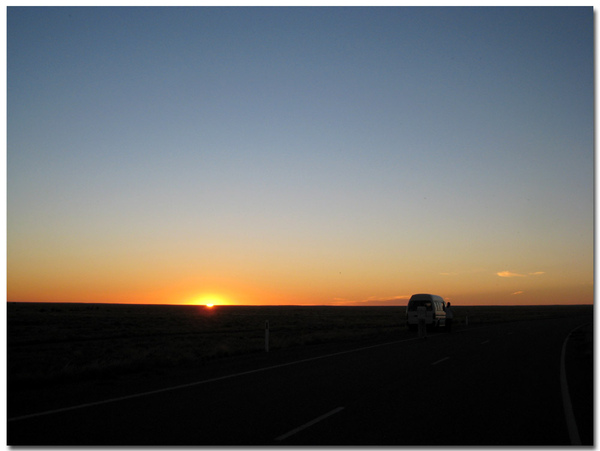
(564, 388)
(440, 361)
(205, 381)
(309, 424)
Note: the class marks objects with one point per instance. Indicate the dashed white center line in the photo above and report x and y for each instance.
(440, 361)
(309, 424)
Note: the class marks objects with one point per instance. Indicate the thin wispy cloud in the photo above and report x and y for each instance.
(514, 274)
(390, 298)
(509, 274)
(518, 292)
(376, 300)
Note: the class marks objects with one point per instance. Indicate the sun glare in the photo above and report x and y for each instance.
(209, 301)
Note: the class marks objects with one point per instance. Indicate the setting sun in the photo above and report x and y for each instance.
(209, 300)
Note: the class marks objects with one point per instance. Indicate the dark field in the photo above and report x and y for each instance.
(62, 342)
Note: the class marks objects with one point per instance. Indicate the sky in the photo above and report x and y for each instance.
(328, 156)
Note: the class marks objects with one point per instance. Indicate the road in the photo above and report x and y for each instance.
(494, 385)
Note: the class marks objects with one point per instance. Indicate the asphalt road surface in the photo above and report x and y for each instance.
(495, 385)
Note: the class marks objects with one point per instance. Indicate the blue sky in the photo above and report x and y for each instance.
(303, 155)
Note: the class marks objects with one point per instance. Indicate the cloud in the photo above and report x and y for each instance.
(518, 292)
(376, 300)
(509, 274)
(390, 298)
(514, 274)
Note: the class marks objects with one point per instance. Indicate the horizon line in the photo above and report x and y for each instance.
(281, 305)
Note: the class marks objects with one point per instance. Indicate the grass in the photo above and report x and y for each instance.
(62, 342)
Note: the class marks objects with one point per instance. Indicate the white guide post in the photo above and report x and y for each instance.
(267, 336)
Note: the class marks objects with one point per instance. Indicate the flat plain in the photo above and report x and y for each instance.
(62, 343)
(505, 370)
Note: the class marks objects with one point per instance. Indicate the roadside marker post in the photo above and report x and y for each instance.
(267, 336)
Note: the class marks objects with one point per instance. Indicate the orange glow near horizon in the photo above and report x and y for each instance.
(209, 300)
(310, 285)
(509, 295)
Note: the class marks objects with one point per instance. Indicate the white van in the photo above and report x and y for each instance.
(435, 310)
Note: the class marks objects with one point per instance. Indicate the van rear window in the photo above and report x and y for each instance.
(412, 305)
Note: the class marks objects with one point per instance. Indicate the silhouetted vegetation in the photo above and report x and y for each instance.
(61, 342)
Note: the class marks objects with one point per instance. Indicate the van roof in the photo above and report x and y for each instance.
(425, 297)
